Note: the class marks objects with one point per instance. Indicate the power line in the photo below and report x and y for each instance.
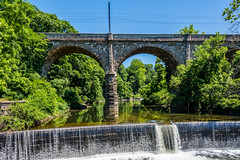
(135, 16)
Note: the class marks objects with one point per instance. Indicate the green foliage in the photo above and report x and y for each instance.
(29, 47)
(232, 14)
(122, 72)
(78, 79)
(41, 104)
(136, 75)
(205, 84)
(149, 72)
(235, 66)
(123, 85)
(46, 22)
(83, 80)
(132, 79)
(161, 98)
(92, 115)
(156, 92)
(142, 81)
(60, 85)
(22, 52)
(19, 22)
(189, 30)
(8, 41)
(124, 89)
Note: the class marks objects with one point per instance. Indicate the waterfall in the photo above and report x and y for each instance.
(77, 142)
(167, 138)
(195, 135)
(95, 140)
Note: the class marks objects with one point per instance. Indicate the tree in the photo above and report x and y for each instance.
(123, 73)
(82, 77)
(149, 72)
(33, 47)
(156, 92)
(46, 22)
(202, 85)
(235, 66)
(136, 75)
(232, 14)
(124, 88)
(123, 85)
(189, 30)
(22, 52)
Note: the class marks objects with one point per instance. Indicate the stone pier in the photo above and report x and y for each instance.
(111, 97)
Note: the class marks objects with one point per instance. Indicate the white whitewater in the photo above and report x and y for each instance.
(209, 154)
(167, 138)
(147, 141)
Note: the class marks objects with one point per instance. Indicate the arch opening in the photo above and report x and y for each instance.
(134, 77)
(59, 52)
(165, 56)
(77, 74)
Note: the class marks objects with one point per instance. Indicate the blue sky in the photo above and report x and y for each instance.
(139, 16)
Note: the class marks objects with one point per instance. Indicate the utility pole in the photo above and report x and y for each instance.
(109, 18)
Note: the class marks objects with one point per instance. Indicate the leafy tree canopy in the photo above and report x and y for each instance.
(156, 92)
(78, 79)
(202, 84)
(46, 22)
(189, 30)
(136, 75)
(22, 52)
(232, 14)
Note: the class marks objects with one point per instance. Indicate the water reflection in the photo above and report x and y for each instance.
(129, 112)
(125, 111)
(60, 121)
(93, 114)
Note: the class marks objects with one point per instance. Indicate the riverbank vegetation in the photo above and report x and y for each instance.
(209, 83)
(22, 53)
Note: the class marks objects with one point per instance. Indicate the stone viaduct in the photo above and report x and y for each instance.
(110, 50)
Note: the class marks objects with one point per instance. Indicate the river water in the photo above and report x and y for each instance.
(129, 112)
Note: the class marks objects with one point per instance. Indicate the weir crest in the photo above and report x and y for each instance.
(125, 138)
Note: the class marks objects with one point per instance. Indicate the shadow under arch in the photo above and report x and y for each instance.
(230, 54)
(60, 51)
(164, 55)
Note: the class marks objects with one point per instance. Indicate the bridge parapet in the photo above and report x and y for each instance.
(76, 37)
(136, 37)
(203, 37)
(149, 37)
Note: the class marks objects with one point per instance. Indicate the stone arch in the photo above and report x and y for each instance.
(60, 50)
(164, 54)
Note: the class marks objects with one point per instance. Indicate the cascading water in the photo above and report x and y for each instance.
(209, 134)
(86, 141)
(147, 140)
(167, 138)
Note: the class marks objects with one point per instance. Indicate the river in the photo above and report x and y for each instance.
(129, 112)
